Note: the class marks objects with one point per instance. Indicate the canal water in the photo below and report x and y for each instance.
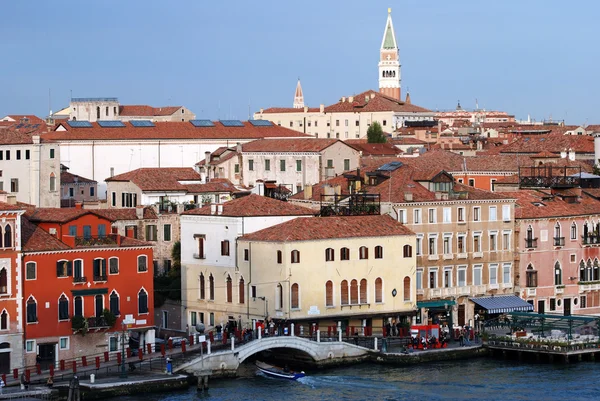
(478, 379)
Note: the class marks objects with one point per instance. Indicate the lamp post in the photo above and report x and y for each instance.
(123, 370)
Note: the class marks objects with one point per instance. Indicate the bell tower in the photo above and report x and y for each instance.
(389, 62)
(298, 96)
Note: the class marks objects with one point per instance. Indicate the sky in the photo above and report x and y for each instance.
(224, 58)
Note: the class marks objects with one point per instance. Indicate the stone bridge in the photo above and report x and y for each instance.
(226, 363)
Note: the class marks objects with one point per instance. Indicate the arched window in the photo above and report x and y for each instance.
(295, 296)
(113, 265)
(595, 277)
(229, 289)
(406, 289)
(4, 320)
(573, 230)
(329, 293)
(329, 255)
(3, 281)
(353, 292)
(363, 291)
(588, 270)
(99, 305)
(279, 297)
(344, 254)
(211, 287)
(529, 233)
(52, 182)
(558, 239)
(531, 276)
(393, 74)
(363, 252)
(31, 310)
(63, 308)
(114, 303)
(241, 294)
(142, 301)
(557, 274)
(378, 252)
(344, 292)
(382, 74)
(98, 112)
(279, 257)
(78, 276)
(378, 290)
(201, 286)
(407, 251)
(142, 263)
(295, 256)
(78, 306)
(7, 236)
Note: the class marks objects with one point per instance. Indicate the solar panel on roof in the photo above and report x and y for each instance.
(261, 123)
(110, 123)
(390, 166)
(20, 125)
(79, 124)
(232, 123)
(142, 123)
(202, 123)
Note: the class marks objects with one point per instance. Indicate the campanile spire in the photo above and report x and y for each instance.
(389, 61)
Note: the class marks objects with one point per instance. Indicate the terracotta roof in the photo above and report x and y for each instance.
(217, 156)
(510, 179)
(274, 110)
(374, 149)
(214, 185)
(593, 128)
(320, 228)
(69, 178)
(147, 111)
(545, 154)
(33, 238)
(554, 143)
(126, 213)
(533, 204)
(159, 179)
(253, 206)
(170, 130)
(289, 145)
(59, 215)
(7, 206)
(406, 140)
(31, 118)
(371, 101)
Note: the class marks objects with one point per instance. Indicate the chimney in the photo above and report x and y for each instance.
(219, 209)
(373, 95)
(337, 189)
(261, 110)
(408, 196)
(206, 159)
(327, 189)
(322, 108)
(479, 145)
(213, 209)
(350, 99)
(308, 192)
(306, 109)
(572, 155)
(358, 184)
(11, 199)
(596, 148)
(343, 99)
(78, 205)
(238, 147)
(139, 212)
(563, 154)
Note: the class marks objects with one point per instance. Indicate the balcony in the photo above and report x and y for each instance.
(559, 241)
(100, 278)
(448, 291)
(479, 289)
(590, 239)
(464, 290)
(97, 240)
(199, 256)
(531, 243)
(97, 323)
(80, 280)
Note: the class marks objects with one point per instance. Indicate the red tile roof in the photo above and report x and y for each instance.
(289, 145)
(30, 118)
(320, 228)
(34, 238)
(126, 213)
(7, 206)
(374, 149)
(533, 204)
(554, 143)
(289, 110)
(214, 185)
(171, 130)
(147, 111)
(69, 178)
(59, 215)
(159, 179)
(254, 206)
(371, 101)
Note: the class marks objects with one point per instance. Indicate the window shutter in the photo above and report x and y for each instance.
(344, 292)
(58, 269)
(69, 268)
(148, 232)
(103, 271)
(329, 293)
(363, 291)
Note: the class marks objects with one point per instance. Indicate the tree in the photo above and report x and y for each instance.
(375, 134)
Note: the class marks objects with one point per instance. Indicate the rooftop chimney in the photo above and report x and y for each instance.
(306, 109)
(213, 209)
(219, 209)
(11, 199)
(206, 159)
(139, 212)
(238, 147)
(350, 99)
(337, 189)
(373, 95)
(261, 111)
(343, 99)
(308, 192)
(78, 205)
(322, 108)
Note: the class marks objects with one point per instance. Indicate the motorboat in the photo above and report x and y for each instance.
(280, 373)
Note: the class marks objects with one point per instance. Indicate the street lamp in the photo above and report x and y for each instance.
(123, 370)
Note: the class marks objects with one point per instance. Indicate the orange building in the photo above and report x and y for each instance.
(80, 282)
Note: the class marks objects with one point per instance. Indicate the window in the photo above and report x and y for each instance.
(433, 245)
(63, 308)
(344, 292)
(211, 287)
(241, 291)
(552, 304)
(30, 271)
(505, 212)
(447, 277)
(461, 276)
(378, 252)
(353, 292)
(406, 289)
(460, 243)
(344, 254)
(346, 164)
(447, 215)
(151, 232)
(142, 302)
(493, 215)
(64, 268)
(378, 290)
(4, 320)
(201, 286)
(363, 252)
(493, 274)
(100, 269)
(298, 165)
(31, 310)
(476, 213)
(477, 276)
(229, 286)
(30, 346)
(295, 296)
(279, 296)
(506, 273)
(142, 263)
(407, 251)
(461, 214)
(417, 216)
(329, 255)
(279, 257)
(114, 303)
(250, 165)
(14, 185)
(573, 230)
(402, 217)
(8, 155)
(447, 244)
(432, 216)
(506, 241)
(282, 165)
(493, 242)
(471, 182)
(167, 232)
(52, 153)
(476, 242)
(419, 279)
(267, 165)
(329, 293)
(419, 246)
(113, 265)
(18, 155)
(557, 274)
(583, 301)
(225, 248)
(113, 198)
(78, 271)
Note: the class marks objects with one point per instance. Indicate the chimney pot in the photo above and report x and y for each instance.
(322, 108)
(219, 209)
(238, 147)
(213, 209)
(78, 205)
(139, 212)
(308, 192)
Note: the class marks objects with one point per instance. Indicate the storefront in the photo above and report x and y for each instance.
(488, 308)
(435, 312)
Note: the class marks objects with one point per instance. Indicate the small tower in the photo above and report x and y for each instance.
(389, 62)
(298, 96)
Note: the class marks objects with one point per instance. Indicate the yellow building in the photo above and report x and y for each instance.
(356, 271)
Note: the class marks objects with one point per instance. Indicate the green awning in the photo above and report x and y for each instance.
(435, 304)
(94, 291)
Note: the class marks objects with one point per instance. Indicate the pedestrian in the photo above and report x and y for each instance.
(461, 337)
(2, 384)
(467, 336)
(24, 382)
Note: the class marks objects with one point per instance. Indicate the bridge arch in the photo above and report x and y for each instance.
(299, 344)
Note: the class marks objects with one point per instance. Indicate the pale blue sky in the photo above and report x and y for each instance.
(537, 57)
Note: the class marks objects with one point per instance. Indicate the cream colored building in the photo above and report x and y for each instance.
(108, 108)
(356, 271)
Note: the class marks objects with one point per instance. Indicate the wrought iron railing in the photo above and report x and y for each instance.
(531, 242)
(559, 241)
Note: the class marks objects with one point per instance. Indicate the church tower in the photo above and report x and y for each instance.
(389, 62)
(298, 96)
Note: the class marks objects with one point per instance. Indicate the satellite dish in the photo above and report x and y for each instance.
(200, 328)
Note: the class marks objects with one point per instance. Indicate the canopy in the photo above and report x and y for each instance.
(503, 304)
(435, 304)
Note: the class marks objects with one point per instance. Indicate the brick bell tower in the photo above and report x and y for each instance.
(389, 62)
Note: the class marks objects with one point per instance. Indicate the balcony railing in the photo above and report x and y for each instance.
(559, 241)
(100, 277)
(96, 322)
(96, 240)
(199, 256)
(590, 239)
(531, 242)
(80, 279)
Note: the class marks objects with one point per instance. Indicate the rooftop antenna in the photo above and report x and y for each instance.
(49, 101)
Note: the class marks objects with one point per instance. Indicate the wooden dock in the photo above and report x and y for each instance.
(544, 352)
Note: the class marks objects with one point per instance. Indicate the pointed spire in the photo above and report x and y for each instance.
(298, 96)
(407, 101)
(389, 38)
